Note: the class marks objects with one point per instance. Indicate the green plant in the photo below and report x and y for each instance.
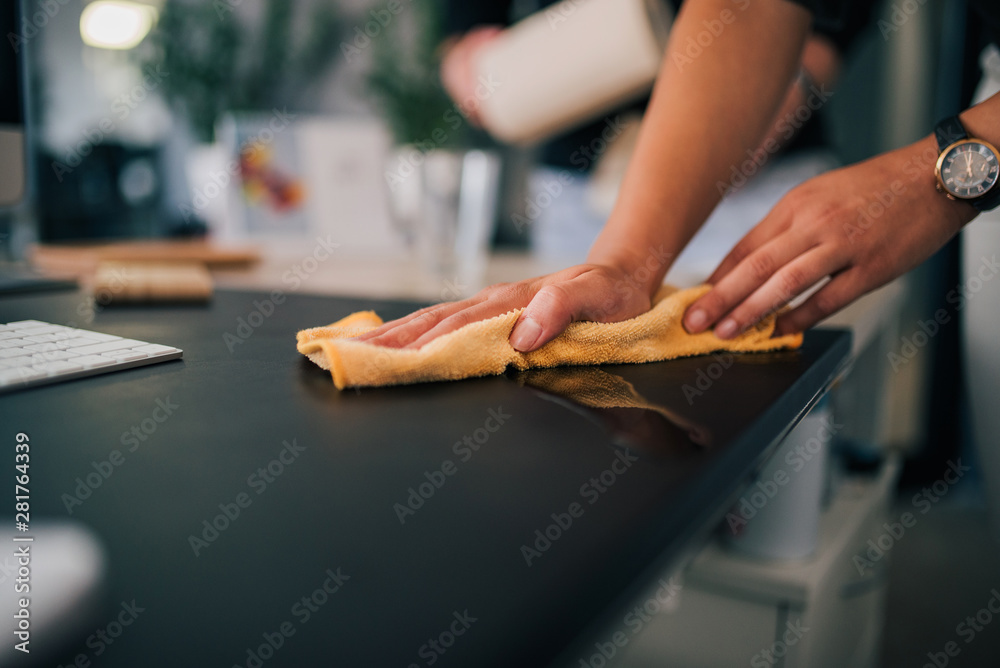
(405, 81)
(218, 63)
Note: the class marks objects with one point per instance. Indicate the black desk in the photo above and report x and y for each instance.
(330, 507)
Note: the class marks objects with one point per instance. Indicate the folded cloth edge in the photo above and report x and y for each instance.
(481, 348)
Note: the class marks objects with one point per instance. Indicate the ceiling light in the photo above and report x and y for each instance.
(116, 24)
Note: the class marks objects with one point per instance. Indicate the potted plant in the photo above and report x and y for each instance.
(219, 62)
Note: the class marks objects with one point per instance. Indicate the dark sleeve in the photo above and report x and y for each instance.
(854, 18)
(840, 21)
(989, 11)
(461, 15)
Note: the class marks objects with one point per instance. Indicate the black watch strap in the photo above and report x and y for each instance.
(949, 131)
(989, 201)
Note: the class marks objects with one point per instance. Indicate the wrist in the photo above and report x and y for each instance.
(642, 268)
(967, 166)
(919, 169)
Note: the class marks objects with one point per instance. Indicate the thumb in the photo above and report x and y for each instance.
(550, 311)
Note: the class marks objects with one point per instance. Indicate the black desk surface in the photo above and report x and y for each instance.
(331, 507)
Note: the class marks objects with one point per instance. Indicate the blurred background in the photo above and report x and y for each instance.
(272, 124)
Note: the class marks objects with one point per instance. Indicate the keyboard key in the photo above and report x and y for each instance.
(97, 336)
(156, 349)
(23, 360)
(52, 368)
(41, 347)
(110, 346)
(8, 335)
(78, 341)
(53, 355)
(19, 375)
(24, 324)
(42, 338)
(93, 361)
(126, 355)
(36, 331)
(12, 347)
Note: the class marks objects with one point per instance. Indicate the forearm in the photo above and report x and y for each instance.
(706, 111)
(818, 71)
(854, 228)
(983, 120)
(919, 158)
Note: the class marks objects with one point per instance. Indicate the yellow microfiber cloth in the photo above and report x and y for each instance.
(482, 349)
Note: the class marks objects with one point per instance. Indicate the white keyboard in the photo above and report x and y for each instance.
(36, 353)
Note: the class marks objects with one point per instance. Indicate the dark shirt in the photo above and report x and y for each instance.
(567, 149)
(833, 14)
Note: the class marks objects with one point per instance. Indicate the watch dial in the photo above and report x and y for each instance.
(969, 170)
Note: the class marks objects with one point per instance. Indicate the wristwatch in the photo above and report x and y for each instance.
(967, 169)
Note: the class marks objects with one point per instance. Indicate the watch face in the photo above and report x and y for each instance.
(968, 169)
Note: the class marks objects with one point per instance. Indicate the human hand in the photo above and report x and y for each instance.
(594, 292)
(862, 226)
(458, 67)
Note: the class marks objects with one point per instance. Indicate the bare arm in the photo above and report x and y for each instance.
(713, 101)
(707, 109)
(861, 225)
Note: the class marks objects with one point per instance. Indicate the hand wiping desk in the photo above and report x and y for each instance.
(482, 348)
